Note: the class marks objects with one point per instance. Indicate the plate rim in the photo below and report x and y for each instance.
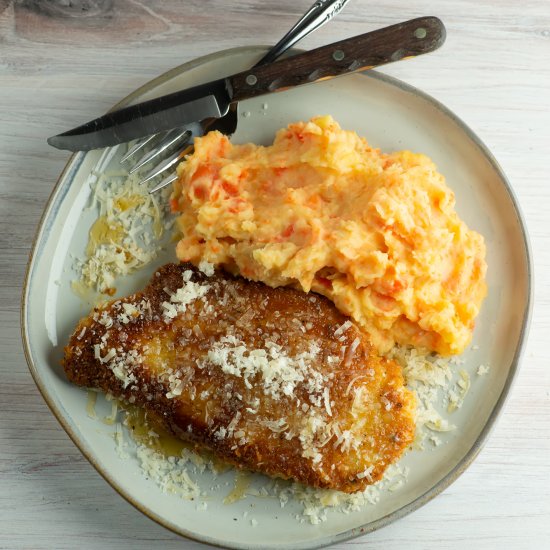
(389, 518)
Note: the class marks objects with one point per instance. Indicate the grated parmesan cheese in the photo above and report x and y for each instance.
(169, 473)
(367, 473)
(456, 397)
(207, 268)
(279, 372)
(128, 232)
(183, 296)
(430, 378)
(342, 328)
(482, 370)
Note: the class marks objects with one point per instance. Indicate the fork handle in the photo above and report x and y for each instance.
(321, 12)
(408, 39)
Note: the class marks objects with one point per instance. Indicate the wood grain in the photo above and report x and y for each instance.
(368, 50)
(60, 67)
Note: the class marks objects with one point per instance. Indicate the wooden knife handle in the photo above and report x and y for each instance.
(359, 53)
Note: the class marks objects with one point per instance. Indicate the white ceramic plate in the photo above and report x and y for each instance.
(392, 116)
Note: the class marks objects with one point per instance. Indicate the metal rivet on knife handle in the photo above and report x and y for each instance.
(398, 54)
(314, 75)
(420, 33)
(371, 49)
(251, 80)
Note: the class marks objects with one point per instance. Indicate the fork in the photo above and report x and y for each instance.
(321, 12)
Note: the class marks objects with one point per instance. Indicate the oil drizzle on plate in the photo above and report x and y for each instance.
(239, 491)
(90, 404)
(146, 431)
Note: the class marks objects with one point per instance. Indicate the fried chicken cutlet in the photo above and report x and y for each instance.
(271, 380)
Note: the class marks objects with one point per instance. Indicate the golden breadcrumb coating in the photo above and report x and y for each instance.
(270, 379)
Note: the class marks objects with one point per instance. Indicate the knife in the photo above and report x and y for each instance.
(212, 100)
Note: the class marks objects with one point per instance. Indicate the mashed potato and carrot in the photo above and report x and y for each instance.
(321, 210)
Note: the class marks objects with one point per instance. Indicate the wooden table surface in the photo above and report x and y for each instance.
(494, 72)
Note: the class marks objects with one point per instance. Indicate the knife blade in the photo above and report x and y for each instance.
(209, 100)
(212, 100)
